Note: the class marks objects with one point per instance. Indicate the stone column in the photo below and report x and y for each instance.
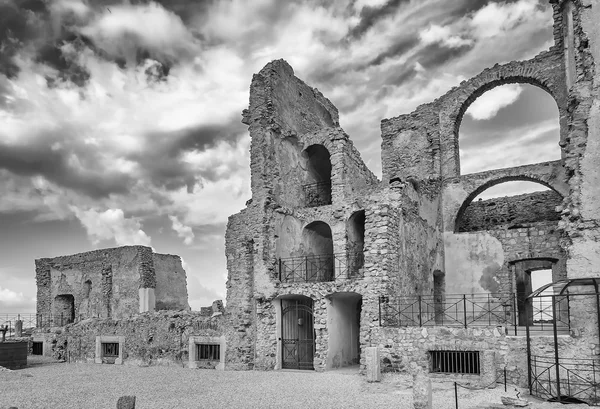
(18, 328)
(373, 365)
(421, 390)
(488, 369)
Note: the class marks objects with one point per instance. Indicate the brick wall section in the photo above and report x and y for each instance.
(510, 211)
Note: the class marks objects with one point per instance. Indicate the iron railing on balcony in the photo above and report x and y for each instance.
(566, 381)
(320, 268)
(317, 194)
(474, 310)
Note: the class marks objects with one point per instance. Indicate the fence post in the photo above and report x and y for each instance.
(515, 313)
(556, 347)
(455, 395)
(465, 310)
(420, 320)
(380, 311)
(504, 379)
(280, 269)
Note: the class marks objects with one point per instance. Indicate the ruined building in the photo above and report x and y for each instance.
(327, 260)
(109, 283)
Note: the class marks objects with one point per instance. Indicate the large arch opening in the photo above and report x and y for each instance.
(317, 243)
(64, 309)
(343, 327)
(317, 188)
(506, 124)
(355, 243)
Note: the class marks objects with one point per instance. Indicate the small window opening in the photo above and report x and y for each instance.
(37, 348)
(110, 350)
(454, 362)
(208, 352)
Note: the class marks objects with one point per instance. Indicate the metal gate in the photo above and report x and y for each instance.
(297, 334)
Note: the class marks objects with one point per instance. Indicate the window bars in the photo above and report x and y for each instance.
(454, 362)
(208, 352)
(110, 350)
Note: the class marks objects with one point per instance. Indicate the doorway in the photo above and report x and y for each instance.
(297, 333)
(343, 326)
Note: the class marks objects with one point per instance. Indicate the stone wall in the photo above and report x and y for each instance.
(404, 349)
(171, 283)
(510, 211)
(151, 338)
(106, 283)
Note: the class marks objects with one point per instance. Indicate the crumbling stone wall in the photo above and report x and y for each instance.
(510, 211)
(151, 338)
(105, 283)
(171, 288)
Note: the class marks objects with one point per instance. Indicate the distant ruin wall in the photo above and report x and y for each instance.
(510, 211)
(171, 283)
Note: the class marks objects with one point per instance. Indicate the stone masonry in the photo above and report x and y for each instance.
(108, 283)
(322, 241)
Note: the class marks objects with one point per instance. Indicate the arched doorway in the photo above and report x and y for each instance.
(318, 176)
(317, 241)
(355, 230)
(297, 333)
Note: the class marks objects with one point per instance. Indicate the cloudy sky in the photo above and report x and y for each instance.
(120, 120)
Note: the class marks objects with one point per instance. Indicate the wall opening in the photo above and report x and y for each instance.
(87, 288)
(355, 230)
(207, 352)
(454, 362)
(317, 245)
(343, 327)
(509, 205)
(531, 274)
(37, 348)
(109, 349)
(64, 309)
(509, 125)
(297, 333)
(317, 188)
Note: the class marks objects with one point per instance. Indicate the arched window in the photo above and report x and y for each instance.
(317, 242)
(509, 125)
(87, 288)
(317, 188)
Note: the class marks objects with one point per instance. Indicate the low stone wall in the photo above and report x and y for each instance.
(152, 338)
(406, 349)
(13, 354)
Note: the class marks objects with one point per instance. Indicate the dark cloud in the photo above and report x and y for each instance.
(396, 50)
(68, 69)
(369, 16)
(54, 164)
(436, 55)
(163, 163)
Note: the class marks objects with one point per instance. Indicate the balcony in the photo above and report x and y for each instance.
(317, 194)
(321, 268)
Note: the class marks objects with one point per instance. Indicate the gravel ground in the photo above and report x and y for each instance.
(46, 384)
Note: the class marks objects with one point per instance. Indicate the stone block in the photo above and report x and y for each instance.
(488, 369)
(126, 402)
(373, 365)
(421, 391)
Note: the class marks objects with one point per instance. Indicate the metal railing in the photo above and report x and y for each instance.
(317, 194)
(569, 380)
(321, 268)
(32, 321)
(474, 310)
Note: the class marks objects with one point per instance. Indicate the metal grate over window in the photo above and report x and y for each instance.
(454, 362)
(110, 349)
(37, 348)
(208, 352)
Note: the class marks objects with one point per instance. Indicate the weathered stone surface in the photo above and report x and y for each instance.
(126, 402)
(372, 363)
(105, 283)
(422, 397)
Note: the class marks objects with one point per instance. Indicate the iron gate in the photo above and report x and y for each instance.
(297, 334)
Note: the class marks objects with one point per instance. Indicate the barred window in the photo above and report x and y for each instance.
(454, 362)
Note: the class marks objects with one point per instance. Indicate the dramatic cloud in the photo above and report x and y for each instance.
(112, 224)
(488, 105)
(443, 35)
(183, 231)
